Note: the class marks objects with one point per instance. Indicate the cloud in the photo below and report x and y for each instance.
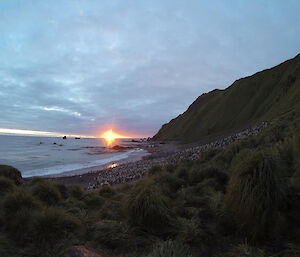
(81, 66)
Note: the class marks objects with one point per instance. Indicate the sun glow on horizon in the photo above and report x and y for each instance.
(111, 136)
(24, 132)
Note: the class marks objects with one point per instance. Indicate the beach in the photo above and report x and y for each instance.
(53, 156)
(160, 153)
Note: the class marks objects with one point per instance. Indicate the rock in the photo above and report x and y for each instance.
(79, 251)
(64, 137)
(135, 141)
(119, 147)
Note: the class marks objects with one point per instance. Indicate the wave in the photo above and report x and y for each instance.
(58, 169)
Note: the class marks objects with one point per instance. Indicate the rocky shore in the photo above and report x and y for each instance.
(135, 170)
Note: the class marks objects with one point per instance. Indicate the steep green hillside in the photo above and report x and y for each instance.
(260, 97)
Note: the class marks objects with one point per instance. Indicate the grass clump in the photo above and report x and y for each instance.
(63, 189)
(245, 250)
(170, 249)
(206, 172)
(114, 235)
(5, 247)
(52, 225)
(107, 191)
(111, 210)
(155, 169)
(19, 209)
(75, 191)
(169, 184)
(146, 208)
(47, 192)
(256, 193)
(93, 200)
(19, 200)
(12, 173)
(6, 185)
(190, 232)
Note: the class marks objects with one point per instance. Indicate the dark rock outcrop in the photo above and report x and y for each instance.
(119, 147)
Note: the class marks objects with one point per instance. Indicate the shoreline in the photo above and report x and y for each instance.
(133, 157)
(162, 154)
(138, 151)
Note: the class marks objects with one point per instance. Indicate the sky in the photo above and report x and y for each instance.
(84, 66)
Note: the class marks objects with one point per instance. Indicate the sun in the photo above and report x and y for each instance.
(110, 136)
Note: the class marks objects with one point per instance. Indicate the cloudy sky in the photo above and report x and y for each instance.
(81, 66)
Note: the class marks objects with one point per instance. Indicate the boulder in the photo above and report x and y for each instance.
(119, 147)
(79, 251)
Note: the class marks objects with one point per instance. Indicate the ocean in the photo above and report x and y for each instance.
(39, 156)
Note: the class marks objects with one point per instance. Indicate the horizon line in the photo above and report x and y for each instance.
(25, 132)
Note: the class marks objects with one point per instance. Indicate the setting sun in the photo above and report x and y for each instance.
(110, 136)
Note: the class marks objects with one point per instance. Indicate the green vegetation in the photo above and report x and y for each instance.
(12, 173)
(170, 249)
(230, 202)
(240, 201)
(256, 192)
(147, 208)
(248, 101)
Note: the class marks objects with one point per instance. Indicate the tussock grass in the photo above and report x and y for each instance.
(256, 193)
(170, 249)
(170, 168)
(206, 156)
(19, 210)
(182, 172)
(53, 225)
(5, 247)
(107, 192)
(147, 208)
(245, 250)
(114, 235)
(198, 174)
(76, 191)
(63, 189)
(169, 184)
(19, 200)
(190, 232)
(12, 173)
(93, 200)
(47, 192)
(20, 226)
(111, 210)
(6, 185)
(155, 169)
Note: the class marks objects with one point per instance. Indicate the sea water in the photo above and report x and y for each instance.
(39, 156)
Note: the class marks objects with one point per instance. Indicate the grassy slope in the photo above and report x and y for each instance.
(260, 97)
